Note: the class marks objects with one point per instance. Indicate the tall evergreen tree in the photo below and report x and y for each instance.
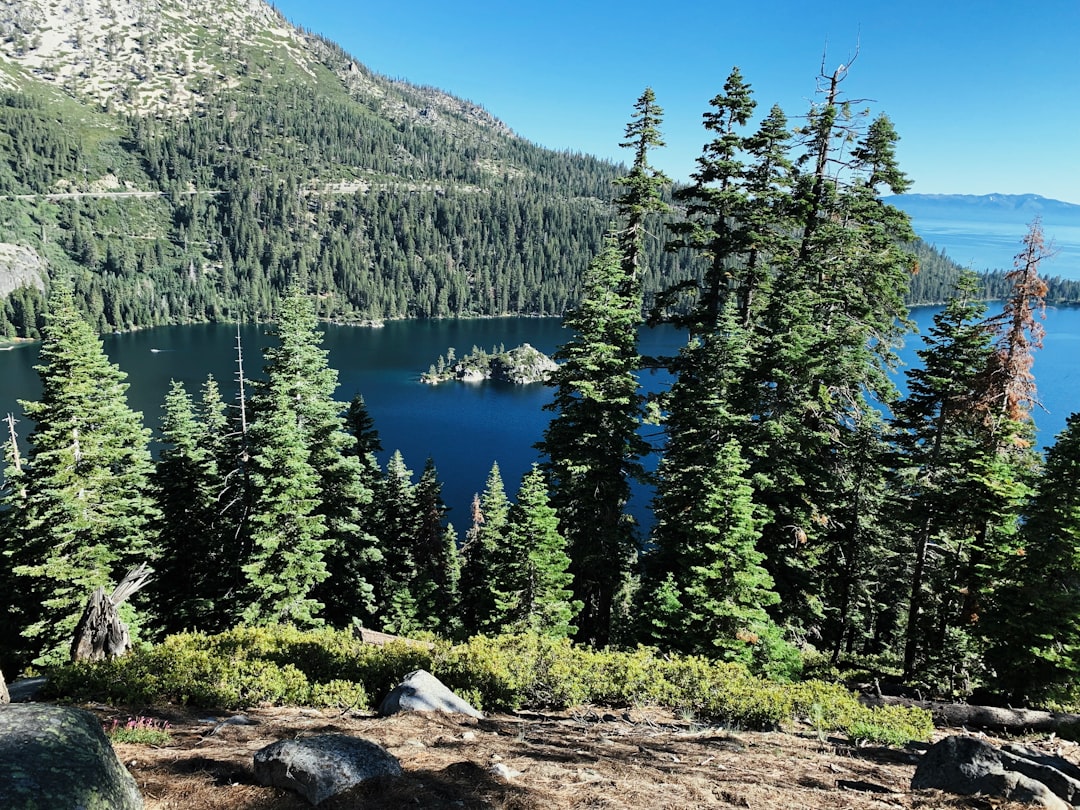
(941, 446)
(397, 521)
(83, 514)
(287, 533)
(531, 578)
(705, 590)
(298, 369)
(480, 556)
(434, 547)
(1034, 624)
(185, 485)
(593, 449)
(829, 330)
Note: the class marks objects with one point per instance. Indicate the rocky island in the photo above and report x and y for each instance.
(520, 366)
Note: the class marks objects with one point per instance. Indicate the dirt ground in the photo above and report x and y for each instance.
(579, 759)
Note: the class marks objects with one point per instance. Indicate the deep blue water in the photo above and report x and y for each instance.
(463, 427)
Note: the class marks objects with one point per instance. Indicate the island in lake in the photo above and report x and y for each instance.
(520, 366)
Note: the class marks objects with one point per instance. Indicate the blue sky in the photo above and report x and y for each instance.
(985, 95)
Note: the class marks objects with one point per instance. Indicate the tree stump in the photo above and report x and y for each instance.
(100, 633)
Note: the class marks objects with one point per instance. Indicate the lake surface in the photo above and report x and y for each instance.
(463, 427)
(993, 245)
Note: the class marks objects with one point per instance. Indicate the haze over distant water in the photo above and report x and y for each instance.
(985, 232)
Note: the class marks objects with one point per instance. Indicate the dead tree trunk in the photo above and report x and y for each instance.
(4, 696)
(100, 633)
(991, 718)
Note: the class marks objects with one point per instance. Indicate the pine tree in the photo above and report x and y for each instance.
(83, 514)
(592, 445)
(300, 380)
(287, 533)
(705, 590)
(185, 485)
(1034, 624)
(940, 447)
(716, 203)
(531, 578)
(397, 522)
(434, 547)
(827, 335)
(480, 555)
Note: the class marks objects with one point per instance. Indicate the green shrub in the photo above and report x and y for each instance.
(281, 665)
(338, 694)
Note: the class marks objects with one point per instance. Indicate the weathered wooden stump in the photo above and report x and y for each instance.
(100, 633)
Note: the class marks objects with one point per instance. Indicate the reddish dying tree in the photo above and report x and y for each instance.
(1011, 393)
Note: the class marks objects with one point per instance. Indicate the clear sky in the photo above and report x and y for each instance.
(985, 94)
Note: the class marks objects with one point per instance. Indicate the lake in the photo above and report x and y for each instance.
(992, 245)
(463, 427)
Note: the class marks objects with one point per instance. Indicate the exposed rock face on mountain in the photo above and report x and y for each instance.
(139, 55)
(185, 160)
(20, 266)
(163, 57)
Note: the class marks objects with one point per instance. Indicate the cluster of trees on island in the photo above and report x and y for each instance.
(800, 502)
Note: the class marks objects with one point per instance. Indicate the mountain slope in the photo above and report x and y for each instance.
(210, 156)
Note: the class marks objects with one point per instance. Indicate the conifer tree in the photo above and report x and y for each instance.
(299, 378)
(592, 445)
(397, 527)
(705, 590)
(434, 547)
(940, 446)
(83, 514)
(1034, 624)
(531, 578)
(287, 533)
(480, 556)
(829, 330)
(185, 485)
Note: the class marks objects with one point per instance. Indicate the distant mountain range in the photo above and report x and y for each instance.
(987, 207)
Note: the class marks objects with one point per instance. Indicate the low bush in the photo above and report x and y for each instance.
(281, 665)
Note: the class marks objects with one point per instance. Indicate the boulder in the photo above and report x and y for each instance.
(54, 756)
(4, 696)
(322, 766)
(968, 765)
(423, 692)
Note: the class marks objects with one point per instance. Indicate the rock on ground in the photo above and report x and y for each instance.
(322, 766)
(54, 756)
(968, 765)
(423, 692)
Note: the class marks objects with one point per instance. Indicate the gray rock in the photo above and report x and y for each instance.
(969, 766)
(423, 692)
(4, 696)
(322, 766)
(54, 756)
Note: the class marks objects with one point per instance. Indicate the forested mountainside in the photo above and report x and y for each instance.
(186, 164)
(267, 154)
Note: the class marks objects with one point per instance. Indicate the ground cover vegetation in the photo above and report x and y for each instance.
(808, 519)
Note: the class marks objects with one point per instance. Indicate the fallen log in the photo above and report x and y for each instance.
(989, 718)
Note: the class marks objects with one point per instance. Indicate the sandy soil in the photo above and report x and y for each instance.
(580, 759)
